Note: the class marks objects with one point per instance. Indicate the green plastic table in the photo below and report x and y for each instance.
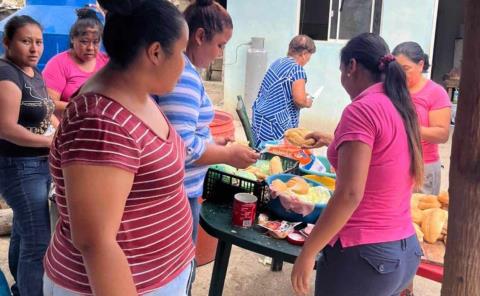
(216, 220)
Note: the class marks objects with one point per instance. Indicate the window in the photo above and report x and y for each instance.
(339, 19)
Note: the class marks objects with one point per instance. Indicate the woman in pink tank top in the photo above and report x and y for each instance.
(365, 234)
(433, 109)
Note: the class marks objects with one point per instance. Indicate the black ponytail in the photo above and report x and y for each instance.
(371, 51)
(396, 89)
(135, 24)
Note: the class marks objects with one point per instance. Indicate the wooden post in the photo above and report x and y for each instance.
(462, 260)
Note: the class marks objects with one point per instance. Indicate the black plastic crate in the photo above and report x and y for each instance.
(220, 187)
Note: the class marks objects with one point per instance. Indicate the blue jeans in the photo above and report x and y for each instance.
(25, 183)
(195, 208)
(179, 286)
(383, 269)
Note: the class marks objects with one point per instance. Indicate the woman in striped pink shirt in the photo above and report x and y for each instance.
(125, 224)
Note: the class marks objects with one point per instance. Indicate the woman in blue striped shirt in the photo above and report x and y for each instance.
(189, 108)
(282, 92)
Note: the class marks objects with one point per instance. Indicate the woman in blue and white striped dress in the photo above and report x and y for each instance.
(282, 92)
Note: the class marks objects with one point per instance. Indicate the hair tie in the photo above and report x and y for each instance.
(385, 60)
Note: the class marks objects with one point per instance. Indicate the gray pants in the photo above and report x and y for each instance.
(432, 178)
(383, 269)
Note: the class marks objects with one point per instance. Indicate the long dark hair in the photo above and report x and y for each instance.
(208, 15)
(135, 24)
(86, 19)
(414, 52)
(371, 51)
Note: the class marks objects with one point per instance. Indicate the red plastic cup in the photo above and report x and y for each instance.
(244, 209)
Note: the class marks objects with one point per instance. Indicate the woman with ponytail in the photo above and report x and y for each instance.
(433, 109)
(125, 226)
(366, 236)
(66, 72)
(189, 108)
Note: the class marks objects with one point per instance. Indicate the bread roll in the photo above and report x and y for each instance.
(428, 198)
(418, 232)
(432, 225)
(429, 204)
(276, 165)
(414, 200)
(296, 136)
(279, 186)
(417, 216)
(443, 197)
(298, 185)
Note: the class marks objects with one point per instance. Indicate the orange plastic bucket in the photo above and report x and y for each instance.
(222, 125)
(206, 246)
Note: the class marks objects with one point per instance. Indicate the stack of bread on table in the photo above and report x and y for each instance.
(430, 216)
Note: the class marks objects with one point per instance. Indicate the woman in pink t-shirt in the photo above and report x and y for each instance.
(366, 235)
(433, 110)
(66, 72)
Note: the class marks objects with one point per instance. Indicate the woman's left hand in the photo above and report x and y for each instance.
(302, 273)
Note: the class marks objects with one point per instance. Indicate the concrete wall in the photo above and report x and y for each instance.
(278, 22)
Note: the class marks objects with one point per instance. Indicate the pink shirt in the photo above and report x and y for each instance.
(431, 97)
(64, 76)
(384, 212)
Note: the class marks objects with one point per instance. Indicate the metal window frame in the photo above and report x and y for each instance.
(337, 34)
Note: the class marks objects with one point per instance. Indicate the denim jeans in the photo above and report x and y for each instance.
(179, 286)
(24, 183)
(195, 208)
(382, 269)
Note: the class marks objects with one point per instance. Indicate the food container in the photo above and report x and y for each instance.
(276, 208)
(295, 238)
(244, 210)
(221, 186)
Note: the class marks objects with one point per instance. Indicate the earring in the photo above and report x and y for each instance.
(348, 74)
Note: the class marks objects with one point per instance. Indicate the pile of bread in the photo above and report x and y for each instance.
(430, 216)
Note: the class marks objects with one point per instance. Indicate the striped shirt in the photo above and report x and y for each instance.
(274, 110)
(190, 111)
(156, 227)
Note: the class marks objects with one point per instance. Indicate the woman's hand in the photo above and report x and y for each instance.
(302, 273)
(321, 139)
(241, 156)
(222, 141)
(308, 102)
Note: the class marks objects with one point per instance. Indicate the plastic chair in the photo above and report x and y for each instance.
(247, 128)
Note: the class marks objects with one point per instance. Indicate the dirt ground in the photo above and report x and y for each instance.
(246, 275)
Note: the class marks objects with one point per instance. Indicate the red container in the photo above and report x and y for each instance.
(244, 209)
(222, 125)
